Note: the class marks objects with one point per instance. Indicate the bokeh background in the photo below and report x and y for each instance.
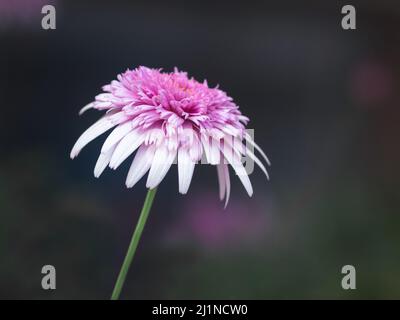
(324, 103)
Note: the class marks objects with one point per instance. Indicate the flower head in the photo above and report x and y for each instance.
(168, 116)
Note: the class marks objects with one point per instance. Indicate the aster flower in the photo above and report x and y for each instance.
(166, 117)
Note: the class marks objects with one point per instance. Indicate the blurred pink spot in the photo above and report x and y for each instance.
(22, 12)
(205, 222)
(371, 83)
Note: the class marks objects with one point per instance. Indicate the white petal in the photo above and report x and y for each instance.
(228, 129)
(251, 141)
(161, 163)
(85, 108)
(140, 165)
(241, 149)
(227, 183)
(126, 147)
(105, 97)
(103, 161)
(185, 170)
(234, 161)
(215, 153)
(211, 148)
(205, 140)
(256, 160)
(196, 149)
(221, 181)
(98, 128)
(116, 135)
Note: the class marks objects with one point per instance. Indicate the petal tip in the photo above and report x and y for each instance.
(226, 204)
(97, 173)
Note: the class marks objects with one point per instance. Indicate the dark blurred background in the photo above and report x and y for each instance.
(324, 103)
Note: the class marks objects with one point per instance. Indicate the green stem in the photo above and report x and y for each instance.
(134, 243)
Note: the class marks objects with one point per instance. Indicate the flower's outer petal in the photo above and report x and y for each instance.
(116, 135)
(227, 183)
(234, 161)
(103, 105)
(85, 108)
(256, 160)
(251, 141)
(103, 161)
(211, 148)
(221, 181)
(196, 149)
(215, 153)
(140, 165)
(162, 161)
(125, 148)
(185, 170)
(228, 129)
(205, 141)
(242, 149)
(98, 128)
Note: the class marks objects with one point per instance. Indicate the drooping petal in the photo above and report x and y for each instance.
(221, 181)
(125, 148)
(85, 108)
(227, 183)
(185, 170)
(234, 161)
(215, 153)
(241, 149)
(211, 149)
(98, 128)
(162, 161)
(195, 149)
(255, 145)
(140, 164)
(205, 141)
(257, 160)
(103, 161)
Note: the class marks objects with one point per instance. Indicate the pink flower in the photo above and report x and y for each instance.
(166, 116)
